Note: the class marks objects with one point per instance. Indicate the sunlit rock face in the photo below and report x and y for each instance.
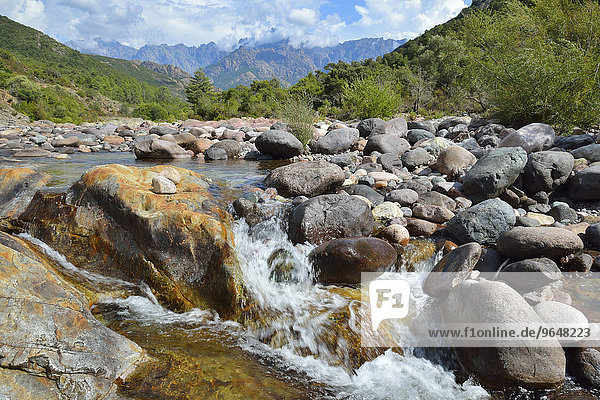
(113, 223)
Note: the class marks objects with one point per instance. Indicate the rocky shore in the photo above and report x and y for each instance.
(492, 198)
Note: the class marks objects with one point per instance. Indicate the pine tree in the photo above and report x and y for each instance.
(199, 87)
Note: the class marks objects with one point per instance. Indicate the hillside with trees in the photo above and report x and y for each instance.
(53, 81)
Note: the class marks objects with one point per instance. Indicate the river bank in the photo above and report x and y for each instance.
(399, 199)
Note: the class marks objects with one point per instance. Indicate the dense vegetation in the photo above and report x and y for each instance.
(514, 60)
(53, 81)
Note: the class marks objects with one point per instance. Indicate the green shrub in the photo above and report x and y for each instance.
(371, 97)
(538, 63)
(298, 113)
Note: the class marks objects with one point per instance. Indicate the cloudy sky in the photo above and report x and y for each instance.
(192, 22)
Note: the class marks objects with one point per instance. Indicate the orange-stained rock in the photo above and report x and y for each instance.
(200, 145)
(17, 187)
(51, 345)
(111, 222)
(114, 140)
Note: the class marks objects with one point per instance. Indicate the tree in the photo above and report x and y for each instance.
(200, 86)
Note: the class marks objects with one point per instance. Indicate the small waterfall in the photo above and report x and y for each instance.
(292, 318)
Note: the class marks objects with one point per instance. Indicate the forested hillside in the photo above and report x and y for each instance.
(53, 81)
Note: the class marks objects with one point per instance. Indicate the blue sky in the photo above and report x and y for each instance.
(193, 22)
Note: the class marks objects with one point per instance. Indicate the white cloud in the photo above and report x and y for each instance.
(303, 16)
(28, 12)
(399, 19)
(193, 22)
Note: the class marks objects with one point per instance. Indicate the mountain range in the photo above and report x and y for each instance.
(241, 66)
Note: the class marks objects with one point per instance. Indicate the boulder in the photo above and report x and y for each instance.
(405, 197)
(162, 185)
(110, 222)
(343, 260)
(33, 152)
(453, 160)
(432, 213)
(150, 148)
(592, 235)
(585, 184)
(414, 135)
(425, 125)
(330, 216)
(366, 126)
(503, 367)
(231, 147)
(451, 122)
(162, 130)
(524, 242)
(571, 142)
(531, 274)
(17, 188)
(279, 144)
(483, 223)
(52, 346)
(417, 157)
(396, 234)
(531, 138)
(336, 141)
(393, 144)
(215, 153)
(585, 366)
(590, 152)
(389, 161)
(494, 172)
(365, 191)
(387, 211)
(437, 199)
(308, 178)
(452, 269)
(419, 227)
(396, 126)
(69, 141)
(547, 170)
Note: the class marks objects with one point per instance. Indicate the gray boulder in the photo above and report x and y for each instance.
(524, 242)
(365, 191)
(494, 172)
(396, 126)
(279, 144)
(425, 125)
(309, 178)
(417, 157)
(451, 122)
(585, 366)
(405, 197)
(472, 302)
(483, 223)
(336, 141)
(232, 148)
(547, 170)
(150, 148)
(388, 143)
(343, 260)
(571, 142)
(531, 138)
(590, 152)
(585, 185)
(592, 235)
(531, 274)
(330, 216)
(414, 135)
(162, 130)
(215, 153)
(366, 126)
(453, 160)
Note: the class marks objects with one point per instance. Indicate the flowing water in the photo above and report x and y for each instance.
(297, 341)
